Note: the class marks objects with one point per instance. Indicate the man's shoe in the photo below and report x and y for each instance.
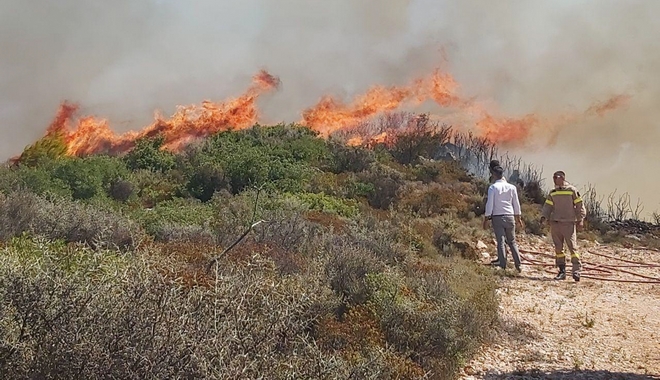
(495, 262)
(518, 269)
(561, 275)
(576, 277)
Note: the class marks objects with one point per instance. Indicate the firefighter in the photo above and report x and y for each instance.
(565, 212)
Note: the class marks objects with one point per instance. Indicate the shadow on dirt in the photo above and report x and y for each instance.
(567, 374)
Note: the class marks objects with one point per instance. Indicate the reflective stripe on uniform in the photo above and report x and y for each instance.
(560, 255)
(577, 200)
(548, 201)
(575, 255)
(562, 192)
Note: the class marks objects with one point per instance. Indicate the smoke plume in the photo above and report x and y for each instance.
(550, 60)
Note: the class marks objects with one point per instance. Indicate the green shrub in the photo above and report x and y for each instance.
(348, 269)
(149, 155)
(66, 220)
(38, 180)
(447, 319)
(433, 200)
(174, 213)
(453, 237)
(534, 193)
(82, 179)
(344, 158)
(386, 184)
(531, 215)
(292, 141)
(152, 188)
(206, 180)
(121, 190)
(90, 176)
(102, 320)
(44, 151)
(330, 204)
(441, 172)
(247, 160)
(358, 189)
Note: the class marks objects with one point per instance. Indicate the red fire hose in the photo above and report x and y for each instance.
(606, 270)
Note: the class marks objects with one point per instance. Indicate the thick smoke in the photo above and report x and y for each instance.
(124, 59)
(552, 57)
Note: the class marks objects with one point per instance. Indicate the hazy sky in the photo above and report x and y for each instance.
(123, 59)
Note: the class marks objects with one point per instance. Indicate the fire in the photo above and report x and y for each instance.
(89, 135)
(500, 130)
(330, 115)
(381, 138)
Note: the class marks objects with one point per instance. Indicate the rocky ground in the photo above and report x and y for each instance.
(599, 328)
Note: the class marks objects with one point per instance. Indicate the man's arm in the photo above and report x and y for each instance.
(489, 207)
(580, 210)
(490, 202)
(516, 202)
(517, 212)
(548, 207)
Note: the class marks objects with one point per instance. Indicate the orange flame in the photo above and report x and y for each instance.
(499, 130)
(90, 135)
(330, 115)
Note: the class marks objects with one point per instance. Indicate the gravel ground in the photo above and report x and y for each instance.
(593, 329)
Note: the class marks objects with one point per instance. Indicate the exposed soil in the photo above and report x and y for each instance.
(592, 329)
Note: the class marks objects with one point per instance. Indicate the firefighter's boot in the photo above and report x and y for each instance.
(562, 273)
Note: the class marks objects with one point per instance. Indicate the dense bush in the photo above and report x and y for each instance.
(148, 155)
(279, 158)
(90, 176)
(62, 219)
(38, 180)
(384, 184)
(44, 151)
(422, 139)
(344, 158)
(433, 200)
(101, 318)
(104, 265)
(322, 202)
(441, 172)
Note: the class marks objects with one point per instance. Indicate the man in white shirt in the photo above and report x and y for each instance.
(503, 208)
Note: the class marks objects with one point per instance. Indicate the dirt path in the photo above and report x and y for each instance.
(565, 330)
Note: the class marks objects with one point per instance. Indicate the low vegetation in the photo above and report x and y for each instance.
(362, 266)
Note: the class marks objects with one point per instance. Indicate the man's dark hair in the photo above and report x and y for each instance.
(493, 164)
(498, 172)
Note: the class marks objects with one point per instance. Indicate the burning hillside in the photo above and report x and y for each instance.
(91, 135)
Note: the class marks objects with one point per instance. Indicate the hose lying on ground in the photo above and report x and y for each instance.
(606, 270)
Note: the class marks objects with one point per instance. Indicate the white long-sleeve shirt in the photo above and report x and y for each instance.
(502, 199)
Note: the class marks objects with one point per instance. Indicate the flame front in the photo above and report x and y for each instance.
(330, 115)
(90, 135)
